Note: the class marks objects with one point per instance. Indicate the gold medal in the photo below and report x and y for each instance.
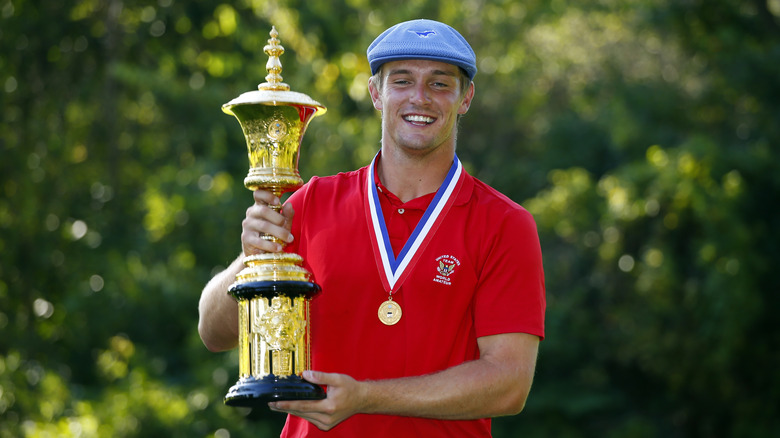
(389, 312)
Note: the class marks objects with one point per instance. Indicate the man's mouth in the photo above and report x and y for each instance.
(419, 120)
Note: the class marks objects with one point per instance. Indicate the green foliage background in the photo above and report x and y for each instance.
(642, 134)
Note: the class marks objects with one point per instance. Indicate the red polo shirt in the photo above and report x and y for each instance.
(480, 275)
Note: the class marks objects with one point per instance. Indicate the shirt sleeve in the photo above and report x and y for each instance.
(510, 295)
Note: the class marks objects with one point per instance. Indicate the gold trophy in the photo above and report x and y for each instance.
(273, 290)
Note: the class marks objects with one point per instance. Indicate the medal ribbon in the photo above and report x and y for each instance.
(397, 269)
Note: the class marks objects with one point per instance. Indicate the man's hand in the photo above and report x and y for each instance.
(266, 216)
(218, 321)
(344, 399)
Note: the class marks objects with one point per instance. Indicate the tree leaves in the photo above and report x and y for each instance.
(641, 135)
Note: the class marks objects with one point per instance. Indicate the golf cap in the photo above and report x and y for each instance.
(422, 39)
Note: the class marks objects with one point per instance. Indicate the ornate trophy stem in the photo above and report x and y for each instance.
(273, 290)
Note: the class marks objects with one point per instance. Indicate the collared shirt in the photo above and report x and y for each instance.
(479, 275)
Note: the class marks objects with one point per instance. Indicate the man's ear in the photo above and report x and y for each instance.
(376, 94)
(464, 106)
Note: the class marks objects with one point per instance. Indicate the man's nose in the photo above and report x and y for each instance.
(420, 94)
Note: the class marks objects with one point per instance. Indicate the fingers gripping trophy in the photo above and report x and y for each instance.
(273, 290)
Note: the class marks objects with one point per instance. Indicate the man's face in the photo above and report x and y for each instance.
(420, 101)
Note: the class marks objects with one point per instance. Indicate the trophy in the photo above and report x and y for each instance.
(273, 290)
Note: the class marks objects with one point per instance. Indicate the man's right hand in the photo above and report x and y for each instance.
(218, 314)
(266, 216)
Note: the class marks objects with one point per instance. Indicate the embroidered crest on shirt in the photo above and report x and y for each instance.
(445, 267)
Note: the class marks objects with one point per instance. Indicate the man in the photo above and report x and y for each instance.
(432, 303)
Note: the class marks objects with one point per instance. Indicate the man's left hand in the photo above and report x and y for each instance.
(343, 400)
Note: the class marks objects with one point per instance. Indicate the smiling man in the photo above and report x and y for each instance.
(432, 303)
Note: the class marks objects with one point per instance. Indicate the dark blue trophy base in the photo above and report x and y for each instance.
(251, 392)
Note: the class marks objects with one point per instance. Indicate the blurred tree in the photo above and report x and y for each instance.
(641, 134)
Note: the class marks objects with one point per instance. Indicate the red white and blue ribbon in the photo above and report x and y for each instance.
(395, 270)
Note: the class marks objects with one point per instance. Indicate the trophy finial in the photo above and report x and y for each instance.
(274, 66)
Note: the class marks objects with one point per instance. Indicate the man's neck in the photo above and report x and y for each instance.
(411, 177)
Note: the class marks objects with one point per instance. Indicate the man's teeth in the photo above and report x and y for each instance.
(419, 119)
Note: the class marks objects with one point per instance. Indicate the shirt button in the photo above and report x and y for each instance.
(400, 211)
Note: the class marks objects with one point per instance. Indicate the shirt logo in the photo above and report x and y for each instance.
(423, 33)
(445, 267)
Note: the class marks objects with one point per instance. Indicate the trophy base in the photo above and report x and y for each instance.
(251, 392)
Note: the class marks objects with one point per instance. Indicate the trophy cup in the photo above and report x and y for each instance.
(273, 290)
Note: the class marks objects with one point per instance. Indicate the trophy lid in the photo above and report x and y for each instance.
(274, 91)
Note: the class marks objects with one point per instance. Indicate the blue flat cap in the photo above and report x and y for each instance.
(422, 39)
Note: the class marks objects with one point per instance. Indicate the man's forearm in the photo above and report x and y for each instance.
(494, 385)
(218, 314)
(486, 387)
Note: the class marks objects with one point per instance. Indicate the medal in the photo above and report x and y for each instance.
(390, 312)
(393, 271)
